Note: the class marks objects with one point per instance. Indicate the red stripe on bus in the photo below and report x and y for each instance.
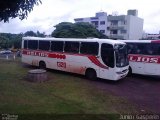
(58, 56)
(94, 60)
(155, 41)
(44, 54)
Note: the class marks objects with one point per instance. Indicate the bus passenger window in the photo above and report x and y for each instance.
(57, 46)
(158, 51)
(72, 47)
(89, 48)
(25, 44)
(149, 50)
(33, 44)
(141, 48)
(131, 48)
(44, 45)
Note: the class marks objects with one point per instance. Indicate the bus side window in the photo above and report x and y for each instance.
(72, 47)
(149, 49)
(44, 45)
(131, 48)
(158, 50)
(89, 48)
(25, 44)
(141, 48)
(107, 54)
(33, 44)
(57, 46)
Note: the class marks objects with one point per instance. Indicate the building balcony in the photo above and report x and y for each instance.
(116, 36)
(116, 27)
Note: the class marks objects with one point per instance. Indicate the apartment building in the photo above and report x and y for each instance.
(128, 26)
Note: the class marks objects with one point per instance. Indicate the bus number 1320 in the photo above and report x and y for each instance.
(61, 64)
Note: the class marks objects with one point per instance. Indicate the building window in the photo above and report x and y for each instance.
(93, 18)
(114, 22)
(102, 31)
(114, 32)
(102, 22)
(124, 22)
(123, 31)
(94, 23)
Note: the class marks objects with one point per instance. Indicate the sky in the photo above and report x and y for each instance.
(44, 17)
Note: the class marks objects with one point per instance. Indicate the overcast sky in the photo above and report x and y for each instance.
(52, 12)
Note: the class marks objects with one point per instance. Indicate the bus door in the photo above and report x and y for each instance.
(107, 55)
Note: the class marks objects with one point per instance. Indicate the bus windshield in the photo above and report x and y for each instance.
(121, 55)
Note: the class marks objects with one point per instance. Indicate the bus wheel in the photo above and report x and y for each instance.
(91, 74)
(130, 72)
(42, 65)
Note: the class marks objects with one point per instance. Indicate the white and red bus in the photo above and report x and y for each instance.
(94, 58)
(144, 56)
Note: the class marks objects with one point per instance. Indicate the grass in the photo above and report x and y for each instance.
(62, 94)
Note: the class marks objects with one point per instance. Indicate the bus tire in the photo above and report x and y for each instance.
(91, 74)
(130, 71)
(42, 65)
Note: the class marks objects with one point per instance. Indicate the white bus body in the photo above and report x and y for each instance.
(82, 56)
(144, 56)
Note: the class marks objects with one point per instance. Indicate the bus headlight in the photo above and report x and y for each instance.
(120, 72)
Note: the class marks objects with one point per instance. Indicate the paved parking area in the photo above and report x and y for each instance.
(142, 91)
(7, 56)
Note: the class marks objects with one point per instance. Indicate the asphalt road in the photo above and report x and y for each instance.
(142, 91)
(4, 56)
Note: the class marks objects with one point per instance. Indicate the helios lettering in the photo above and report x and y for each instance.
(145, 59)
(41, 54)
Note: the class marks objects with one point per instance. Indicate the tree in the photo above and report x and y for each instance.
(4, 42)
(33, 34)
(40, 34)
(16, 8)
(17, 40)
(76, 30)
(8, 40)
(30, 33)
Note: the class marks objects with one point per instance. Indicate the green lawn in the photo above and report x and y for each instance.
(62, 94)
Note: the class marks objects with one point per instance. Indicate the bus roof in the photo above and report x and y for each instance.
(141, 41)
(110, 41)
